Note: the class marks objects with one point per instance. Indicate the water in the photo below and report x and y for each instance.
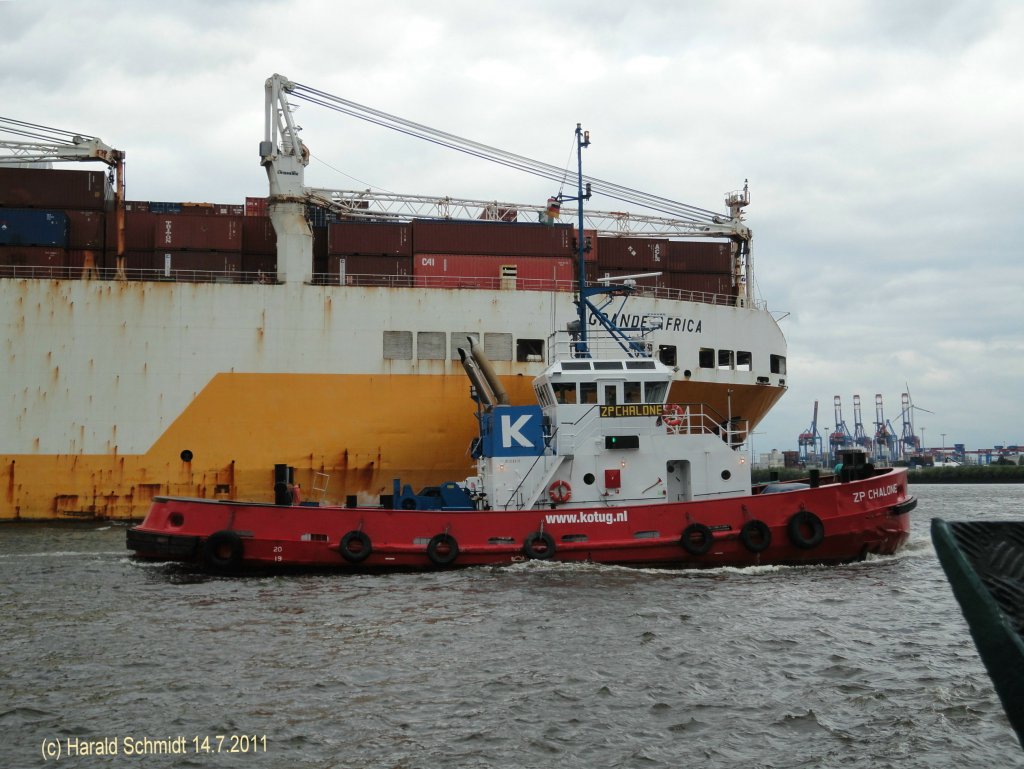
(536, 665)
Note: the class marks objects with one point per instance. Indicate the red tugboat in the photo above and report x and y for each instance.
(602, 469)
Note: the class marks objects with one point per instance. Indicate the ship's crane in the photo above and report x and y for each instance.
(859, 436)
(41, 144)
(810, 441)
(285, 158)
(840, 437)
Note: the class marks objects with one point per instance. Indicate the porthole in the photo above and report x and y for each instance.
(186, 456)
(589, 479)
(726, 475)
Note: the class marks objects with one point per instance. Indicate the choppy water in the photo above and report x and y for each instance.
(536, 665)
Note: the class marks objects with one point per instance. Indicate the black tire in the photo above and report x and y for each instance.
(697, 539)
(362, 550)
(223, 550)
(805, 530)
(442, 549)
(408, 504)
(540, 546)
(756, 536)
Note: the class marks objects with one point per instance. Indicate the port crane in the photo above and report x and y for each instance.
(37, 144)
(840, 437)
(285, 157)
(909, 441)
(810, 441)
(859, 436)
(885, 434)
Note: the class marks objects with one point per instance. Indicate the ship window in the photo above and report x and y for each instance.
(778, 364)
(640, 364)
(588, 392)
(530, 350)
(459, 340)
(498, 346)
(725, 359)
(576, 366)
(397, 345)
(430, 345)
(565, 392)
(667, 354)
(610, 395)
(744, 361)
(706, 358)
(632, 392)
(607, 365)
(654, 392)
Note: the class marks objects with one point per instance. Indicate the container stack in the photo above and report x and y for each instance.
(704, 267)
(52, 222)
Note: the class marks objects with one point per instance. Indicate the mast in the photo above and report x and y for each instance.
(582, 140)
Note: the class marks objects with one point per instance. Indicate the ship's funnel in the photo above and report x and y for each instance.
(484, 363)
(477, 378)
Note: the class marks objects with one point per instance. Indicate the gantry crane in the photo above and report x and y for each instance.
(885, 434)
(840, 437)
(859, 436)
(42, 144)
(285, 158)
(810, 441)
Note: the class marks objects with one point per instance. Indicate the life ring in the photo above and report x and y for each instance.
(223, 550)
(672, 414)
(359, 553)
(697, 539)
(560, 492)
(539, 545)
(442, 549)
(806, 530)
(756, 536)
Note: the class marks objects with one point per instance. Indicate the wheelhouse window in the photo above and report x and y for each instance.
(655, 392)
(632, 392)
(667, 354)
(706, 357)
(778, 364)
(744, 361)
(588, 392)
(565, 392)
(725, 359)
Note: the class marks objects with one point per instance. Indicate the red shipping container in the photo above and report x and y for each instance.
(33, 256)
(258, 235)
(255, 206)
(358, 264)
(701, 283)
(86, 229)
(216, 262)
(491, 238)
(707, 256)
(84, 263)
(370, 238)
(488, 271)
(637, 254)
(212, 209)
(47, 188)
(254, 264)
(198, 233)
(138, 231)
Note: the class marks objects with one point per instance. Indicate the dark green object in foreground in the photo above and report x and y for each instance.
(984, 563)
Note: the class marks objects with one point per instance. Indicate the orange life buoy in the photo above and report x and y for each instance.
(560, 491)
(672, 414)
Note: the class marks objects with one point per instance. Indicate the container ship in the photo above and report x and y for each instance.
(194, 349)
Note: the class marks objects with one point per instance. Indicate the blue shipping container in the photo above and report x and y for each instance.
(33, 227)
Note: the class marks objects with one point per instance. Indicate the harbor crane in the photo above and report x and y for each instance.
(840, 437)
(859, 436)
(285, 157)
(885, 434)
(810, 441)
(38, 144)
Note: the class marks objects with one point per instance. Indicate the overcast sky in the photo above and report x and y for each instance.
(882, 141)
